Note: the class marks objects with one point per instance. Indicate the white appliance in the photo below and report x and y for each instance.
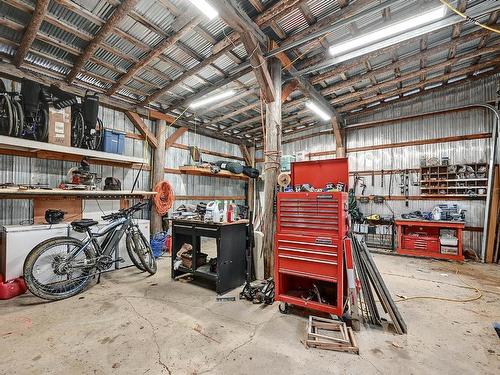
(16, 241)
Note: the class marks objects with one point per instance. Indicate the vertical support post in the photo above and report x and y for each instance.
(272, 155)
(251, 182)
(339, 139)
(158, 169)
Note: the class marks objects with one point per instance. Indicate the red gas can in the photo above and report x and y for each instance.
(12, 288)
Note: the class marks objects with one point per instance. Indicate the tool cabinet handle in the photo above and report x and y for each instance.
(182, 226)
(307, 251)
(206, 228)
(308, 260)
(307, 243)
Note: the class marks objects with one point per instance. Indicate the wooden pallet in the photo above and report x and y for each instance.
(330, 334)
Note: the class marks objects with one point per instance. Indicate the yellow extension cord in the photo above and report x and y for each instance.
(463, 15)
(478, 295)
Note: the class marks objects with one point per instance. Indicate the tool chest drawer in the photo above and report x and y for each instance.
(430, 244)
(315, 244)
(311, 212)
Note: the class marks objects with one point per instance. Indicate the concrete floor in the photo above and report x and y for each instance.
(132, 324)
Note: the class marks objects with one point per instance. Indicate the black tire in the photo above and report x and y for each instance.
(133, 254)
(18, 125)
(99, 131)
(144, 251)
(284, 308)
(63, 288)
(77, 129)
(42, 129)
(6, 115)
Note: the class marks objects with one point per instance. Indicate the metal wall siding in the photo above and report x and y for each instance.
(445, 125)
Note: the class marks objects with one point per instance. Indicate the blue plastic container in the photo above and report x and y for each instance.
(157, 243)
(113, 141)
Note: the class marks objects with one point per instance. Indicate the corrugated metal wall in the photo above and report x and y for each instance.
(445, 125)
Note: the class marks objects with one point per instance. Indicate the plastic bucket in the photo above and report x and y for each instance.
(157, 243)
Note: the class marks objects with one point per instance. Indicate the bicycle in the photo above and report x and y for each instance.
(62, 267)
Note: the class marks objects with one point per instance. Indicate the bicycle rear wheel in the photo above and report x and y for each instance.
(6, 115)
(49, 274)
(77, 129)
(41, 132)
(144, 251)
(19, 123)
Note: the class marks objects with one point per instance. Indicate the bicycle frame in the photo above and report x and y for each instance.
(113, 231)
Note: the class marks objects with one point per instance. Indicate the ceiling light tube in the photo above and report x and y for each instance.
(316, 109)
(207, 9)
(389, 31)
(211, 99)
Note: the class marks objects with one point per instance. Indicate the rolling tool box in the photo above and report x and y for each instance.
(308, 256)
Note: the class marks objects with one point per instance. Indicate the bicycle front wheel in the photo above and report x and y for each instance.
(49, 272)
(144, 251)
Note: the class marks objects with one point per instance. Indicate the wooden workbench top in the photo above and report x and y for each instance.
(16, 193)
(197, 222)
(423, 221)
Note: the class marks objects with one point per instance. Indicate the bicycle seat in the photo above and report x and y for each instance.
(82, 225)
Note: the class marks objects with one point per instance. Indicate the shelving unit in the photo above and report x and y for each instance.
(443, 181)
(51, 151)
(197, 171)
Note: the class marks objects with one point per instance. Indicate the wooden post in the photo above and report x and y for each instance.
(272, 155)
(158, 169)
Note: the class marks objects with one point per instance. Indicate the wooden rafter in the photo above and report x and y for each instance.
(120, 12)
(153, 54)
(174, 137)
(143, 129)
(31, 30)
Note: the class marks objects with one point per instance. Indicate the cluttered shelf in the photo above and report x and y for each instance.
(22, 193)
(200, 171)
(45, 150)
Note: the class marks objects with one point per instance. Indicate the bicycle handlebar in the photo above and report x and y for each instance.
(125, 211)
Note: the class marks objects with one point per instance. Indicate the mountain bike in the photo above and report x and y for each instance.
(62, 267)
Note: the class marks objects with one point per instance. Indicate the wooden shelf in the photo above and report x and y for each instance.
(197, 171)
(44, 150)
(14, 193)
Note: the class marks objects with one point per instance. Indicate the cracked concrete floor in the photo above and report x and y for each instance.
(132, 324)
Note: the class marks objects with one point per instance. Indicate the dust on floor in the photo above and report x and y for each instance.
(133, 324)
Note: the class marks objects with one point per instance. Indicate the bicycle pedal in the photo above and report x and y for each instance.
(121, 260)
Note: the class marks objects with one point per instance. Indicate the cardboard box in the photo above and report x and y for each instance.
(60, 126)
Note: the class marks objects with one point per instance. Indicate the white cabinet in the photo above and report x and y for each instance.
(16, 241)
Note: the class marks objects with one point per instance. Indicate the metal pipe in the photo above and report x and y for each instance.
(489, 196)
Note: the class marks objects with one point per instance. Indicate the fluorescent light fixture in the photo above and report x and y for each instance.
(212, 99)
(314, 107)
(389, 31)
(207, 9)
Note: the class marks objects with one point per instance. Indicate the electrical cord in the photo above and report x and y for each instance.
(478, 295)
(468, 18)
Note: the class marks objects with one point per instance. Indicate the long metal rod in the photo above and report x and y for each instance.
(491, 171)
(334, 26)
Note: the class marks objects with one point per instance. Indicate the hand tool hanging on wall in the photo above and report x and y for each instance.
(407, 187)
(373, 178)
(382, 178)
(361, 180)
(390, 184)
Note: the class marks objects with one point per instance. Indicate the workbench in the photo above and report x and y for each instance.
(231, 241)
(421, 238)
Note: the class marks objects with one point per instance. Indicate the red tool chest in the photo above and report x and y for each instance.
(309, 235)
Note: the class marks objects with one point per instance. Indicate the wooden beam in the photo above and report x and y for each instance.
(153, 54)
(120, 12)
(157, 115)
(271, 169)
(259, 65)
(143, 129)
(246, 155)
(287, 90)
(209, 60)
(179, 132)
(31, 31)
(158, 173)
(442, 78)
